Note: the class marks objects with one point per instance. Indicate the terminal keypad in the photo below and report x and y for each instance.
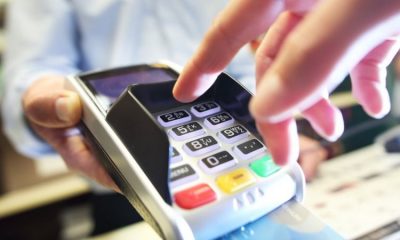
(212, 154)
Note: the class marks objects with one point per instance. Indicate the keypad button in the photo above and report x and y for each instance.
(175, 156)
(217, 162)
(233, 134)
(264, 166)
(182, 175)
(249, 149)
(186, 131)
(196, 196)
(174, 118)
(201, 146)
(205, 109)
(219, 120)
(235, 181)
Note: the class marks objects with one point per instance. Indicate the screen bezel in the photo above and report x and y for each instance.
(87, 78)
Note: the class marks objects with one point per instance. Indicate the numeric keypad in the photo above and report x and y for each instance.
(208, 139)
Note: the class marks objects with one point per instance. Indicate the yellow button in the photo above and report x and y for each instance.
(235, 181)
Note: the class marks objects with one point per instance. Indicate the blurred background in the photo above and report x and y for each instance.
(39, 199)
(355, 193)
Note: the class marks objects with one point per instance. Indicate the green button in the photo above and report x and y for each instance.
(264, 166)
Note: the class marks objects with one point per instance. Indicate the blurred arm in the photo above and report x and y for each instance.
(41, 40)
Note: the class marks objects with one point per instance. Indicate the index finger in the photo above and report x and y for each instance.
(239, 23)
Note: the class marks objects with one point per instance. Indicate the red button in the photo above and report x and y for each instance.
(195, 196)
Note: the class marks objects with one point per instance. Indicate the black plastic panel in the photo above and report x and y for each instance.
(144, 139)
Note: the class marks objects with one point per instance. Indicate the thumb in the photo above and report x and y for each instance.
(48, 104)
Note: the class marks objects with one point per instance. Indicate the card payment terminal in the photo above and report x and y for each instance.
(193, 171)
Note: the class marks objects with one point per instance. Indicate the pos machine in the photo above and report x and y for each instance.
(192, 170)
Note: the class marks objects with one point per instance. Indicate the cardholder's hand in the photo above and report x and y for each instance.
(309, 48)
(53, 112)
(312, 58)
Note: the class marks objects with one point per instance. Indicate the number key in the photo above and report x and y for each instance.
(217, 162)
(174, 118)
(219, 120)
(175, 155)
(233, 134)
(205, 109)
(200, 146)
(186, 131)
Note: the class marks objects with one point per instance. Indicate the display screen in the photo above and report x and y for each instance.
(109, 85)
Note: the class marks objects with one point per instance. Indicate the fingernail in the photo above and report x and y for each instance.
(64, 108)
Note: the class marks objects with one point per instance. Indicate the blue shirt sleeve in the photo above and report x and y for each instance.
(41, 39)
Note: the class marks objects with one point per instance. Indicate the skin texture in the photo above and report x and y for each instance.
(309, 48)
(53, 114)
